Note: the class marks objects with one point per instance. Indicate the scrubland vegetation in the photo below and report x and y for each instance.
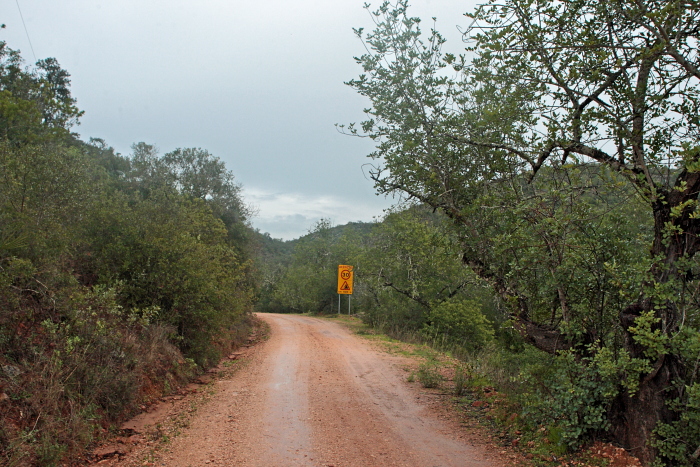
(120, 276)
(547, 234)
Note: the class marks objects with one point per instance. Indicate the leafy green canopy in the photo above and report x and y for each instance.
(564, 146)
(196, 174)
(527, 237)
(306, 280)
(409, 279)
(36, 103)
(108, 264)
(412, 280)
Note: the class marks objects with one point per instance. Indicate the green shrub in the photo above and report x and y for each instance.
(429, 374)
(461, 379)
(574, 393)
(459, 321)
(93, 365)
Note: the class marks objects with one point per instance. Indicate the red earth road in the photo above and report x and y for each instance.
(316, 395)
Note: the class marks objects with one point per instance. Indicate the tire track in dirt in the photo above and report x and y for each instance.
(361, 402)
(316, 395)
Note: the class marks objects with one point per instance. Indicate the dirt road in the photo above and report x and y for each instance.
(316, 395)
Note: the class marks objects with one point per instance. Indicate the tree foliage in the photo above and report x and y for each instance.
(36, 103)
(563, 145)
(305, 281)
(408, 279)
(412, 280)
(119, 276)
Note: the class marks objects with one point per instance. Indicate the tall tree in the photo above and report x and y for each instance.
(194, 173)
(35, 103)
(412, 254)
(542, 149)
(411, 273)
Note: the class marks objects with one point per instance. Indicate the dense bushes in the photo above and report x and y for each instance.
(120, 277)
(411, 284)
(459, 322)
(73, 371)
(300, 277)
(172, 254)
(408, 279)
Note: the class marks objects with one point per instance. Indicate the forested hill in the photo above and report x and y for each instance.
(298, 275)
(279, 249)
(120, 276)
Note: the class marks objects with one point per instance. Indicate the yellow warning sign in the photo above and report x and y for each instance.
(345, 276)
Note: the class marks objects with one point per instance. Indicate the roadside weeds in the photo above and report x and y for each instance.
(459, 393)
(141, 440)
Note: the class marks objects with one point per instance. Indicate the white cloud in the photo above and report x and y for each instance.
(257, 84)
(291, 215)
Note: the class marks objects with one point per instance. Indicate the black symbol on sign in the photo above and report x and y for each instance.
(345, 274)
(345, 286)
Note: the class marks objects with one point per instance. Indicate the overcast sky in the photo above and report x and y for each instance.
(258, 84)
